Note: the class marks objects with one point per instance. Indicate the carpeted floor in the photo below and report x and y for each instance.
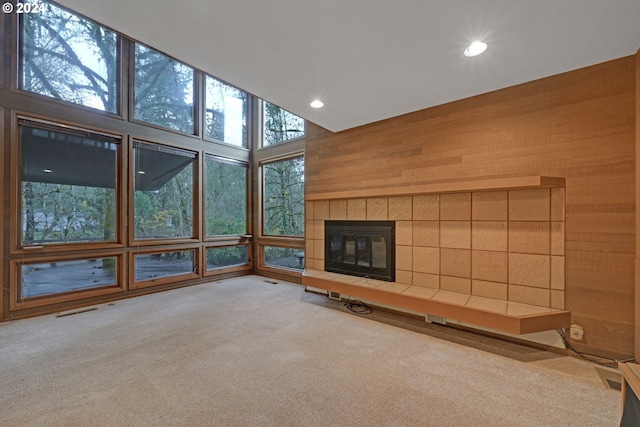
(246, 352)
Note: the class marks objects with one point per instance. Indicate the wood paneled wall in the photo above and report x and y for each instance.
(579, 125)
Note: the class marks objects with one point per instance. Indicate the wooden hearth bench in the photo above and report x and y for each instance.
(490, 313)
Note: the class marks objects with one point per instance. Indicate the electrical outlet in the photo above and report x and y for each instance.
(576, 332)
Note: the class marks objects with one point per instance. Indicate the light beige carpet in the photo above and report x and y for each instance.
(244, 352)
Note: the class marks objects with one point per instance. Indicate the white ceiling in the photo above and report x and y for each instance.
(373, 59)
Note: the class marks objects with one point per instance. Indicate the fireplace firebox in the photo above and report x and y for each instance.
(361, 248)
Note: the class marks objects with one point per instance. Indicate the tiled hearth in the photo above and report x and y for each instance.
(504, 245)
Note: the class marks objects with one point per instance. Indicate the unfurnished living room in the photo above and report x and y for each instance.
(412, 213)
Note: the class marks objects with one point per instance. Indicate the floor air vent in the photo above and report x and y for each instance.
(611, 378)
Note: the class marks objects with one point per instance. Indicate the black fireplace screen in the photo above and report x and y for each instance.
(361, 248)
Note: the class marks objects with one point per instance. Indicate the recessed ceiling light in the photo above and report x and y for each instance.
(47, 170)
(317, 104)
(141, 172)
(475, 48)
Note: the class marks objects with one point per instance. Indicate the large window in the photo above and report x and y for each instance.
(280, 125)
(68, 183)
(226, 113)
(71, 58)
(164, 181)
(164, 88)
(283, 197)
(226, 197)
(227, 256)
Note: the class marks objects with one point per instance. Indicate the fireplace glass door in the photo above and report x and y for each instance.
(361, 248)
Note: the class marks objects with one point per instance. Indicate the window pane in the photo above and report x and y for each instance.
(163, 90)
(226, 197)
(284, 197)
(284, 257)
(226, 113)
(70, 58)
(163, 201)
(65, 276)
(154, 266)
(226, 256)
(68, 185)
(280, 125)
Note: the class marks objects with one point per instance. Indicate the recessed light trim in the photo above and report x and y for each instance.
(316, 103)
(475, 48)
(47, 170)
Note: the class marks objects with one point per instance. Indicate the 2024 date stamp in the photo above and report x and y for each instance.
(20, 8)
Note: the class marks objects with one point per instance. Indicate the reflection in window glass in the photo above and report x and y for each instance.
(165, 264)
(283, 204)
(68, 184)
(163, 200)
(163, 93)
(226, 256)
(226, 197)
(69, 58)
(226, 113)
(280, 125)
(284, 257)
(65, 276)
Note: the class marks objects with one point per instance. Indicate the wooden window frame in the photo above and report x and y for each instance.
(196, 202)
(16, 303)
(15, 222)
(174, 279)
(228, 269)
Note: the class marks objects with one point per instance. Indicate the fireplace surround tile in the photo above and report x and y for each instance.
(530, 237)
(455, 207)
(357, 209)
(557, 273)
(404, 257)
(487, 304)
(426, 280)
(489, 235)
(529, 270)
(455, 234)
(489, 206)
(426, 233)
(451, 297)
(489, 266)
(404, 233)
(491, 290)
(338, 209)
(531, 296)
(401, 208)
(557, 238)
(455, 262)
(419, 292)
(557, 204)
(530, 205)
(455, 284)
(377, 209)
(426, 260)
(557, 299)
(321, 209)
(426, 207)
(404, 276)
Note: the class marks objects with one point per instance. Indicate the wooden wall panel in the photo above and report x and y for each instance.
(579, 125)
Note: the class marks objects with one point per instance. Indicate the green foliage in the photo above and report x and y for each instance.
(163, 90)
(58, 213)
(167, 212)
(226, 198)
(226, 256)
(284, 197)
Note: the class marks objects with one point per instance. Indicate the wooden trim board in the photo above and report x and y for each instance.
(520, 182)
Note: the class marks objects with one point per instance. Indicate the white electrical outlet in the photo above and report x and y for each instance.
(576, 332)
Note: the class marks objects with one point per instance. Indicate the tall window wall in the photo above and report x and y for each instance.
(130, 170)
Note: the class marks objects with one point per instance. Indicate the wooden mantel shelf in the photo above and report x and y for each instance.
(511, 183)
(499, 315)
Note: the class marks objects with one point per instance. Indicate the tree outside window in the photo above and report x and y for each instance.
(283, 205)
(280, 125)
(70, 58)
